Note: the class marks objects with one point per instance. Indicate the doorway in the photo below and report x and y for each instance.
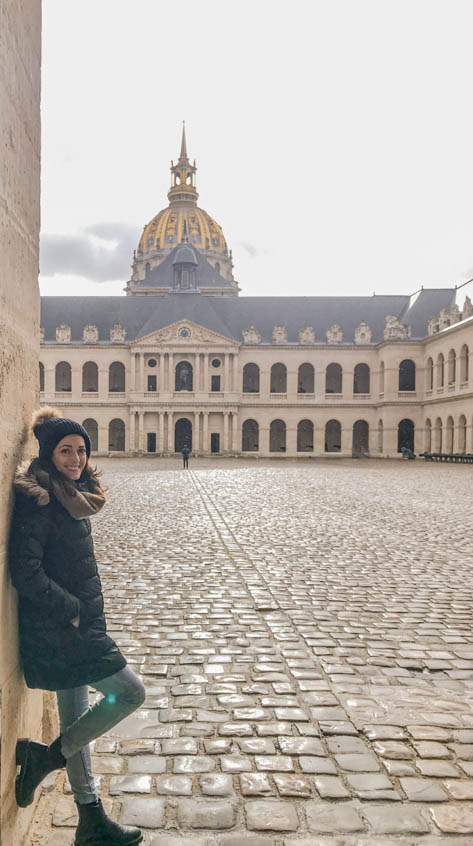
(151, 442)
(182, 434)
(214, 442)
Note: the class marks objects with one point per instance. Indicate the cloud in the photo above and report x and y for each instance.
(102, 252)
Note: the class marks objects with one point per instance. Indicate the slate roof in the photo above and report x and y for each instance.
(162, 276)
(229, 316)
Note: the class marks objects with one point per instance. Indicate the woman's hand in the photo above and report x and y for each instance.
(76, 622)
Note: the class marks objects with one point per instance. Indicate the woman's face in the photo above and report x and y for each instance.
(70, 456)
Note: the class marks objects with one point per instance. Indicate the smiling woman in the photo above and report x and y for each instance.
(63, 636)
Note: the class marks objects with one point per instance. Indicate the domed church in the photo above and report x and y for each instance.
(184, 359)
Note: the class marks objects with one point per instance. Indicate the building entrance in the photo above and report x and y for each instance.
(182, 434)
(214, 442)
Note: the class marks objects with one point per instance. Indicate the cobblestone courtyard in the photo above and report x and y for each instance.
(305, 633)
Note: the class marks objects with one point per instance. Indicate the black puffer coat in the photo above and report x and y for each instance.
(53, 568)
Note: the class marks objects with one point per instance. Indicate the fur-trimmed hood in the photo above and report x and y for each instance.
(31, 480)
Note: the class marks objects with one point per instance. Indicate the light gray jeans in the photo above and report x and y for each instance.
(122, 693)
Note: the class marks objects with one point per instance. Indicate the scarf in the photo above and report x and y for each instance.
(81, 500)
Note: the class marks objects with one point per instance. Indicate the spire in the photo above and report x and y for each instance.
(183, 190)
(183, 155)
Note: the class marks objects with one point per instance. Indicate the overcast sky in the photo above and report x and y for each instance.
(333, 138)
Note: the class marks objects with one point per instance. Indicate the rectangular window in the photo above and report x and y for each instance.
(185, 279)
(151, 382)
(215, 383)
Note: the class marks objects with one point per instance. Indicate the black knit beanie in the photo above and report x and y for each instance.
(49, 428)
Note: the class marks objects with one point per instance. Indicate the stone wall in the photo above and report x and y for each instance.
(20, 62)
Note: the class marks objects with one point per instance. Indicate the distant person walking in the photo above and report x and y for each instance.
(185, 456)
(63, 638)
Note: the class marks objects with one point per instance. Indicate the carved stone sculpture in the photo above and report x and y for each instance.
(117, 334)
(63, 334)
(251, 336)
(433, 326)
(90, 334)
(334, 334)
(455, 314)
(41, 334)
(467, 308)
(307, 335)
(363, 333)
(394, 330)
(444, 319)
(279, 335)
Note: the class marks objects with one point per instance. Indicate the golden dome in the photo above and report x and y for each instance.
(182, 220)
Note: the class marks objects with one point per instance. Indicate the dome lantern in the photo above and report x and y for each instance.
(183, 190)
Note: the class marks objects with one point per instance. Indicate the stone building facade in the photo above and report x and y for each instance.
(183, 358)
(20, 62)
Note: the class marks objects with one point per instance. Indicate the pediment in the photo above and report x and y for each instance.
(185, 333)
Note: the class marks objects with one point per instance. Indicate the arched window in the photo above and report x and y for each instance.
(452, 367)
(405, 435)
(333, 436)
(407, 375)
(462, 433)
(116, 435)
(429, 372)
(251, 379)
(381, 378)
(380, 435)
(440, 371)
(449, 435)
(428, 436)
(305, 436)
(91, 427)
(278, 379)
(361, 438)
(116, 377)
(63, 376)
(305, 379)
(90, 377)
(277, 436)
(250, 436)
(464, 361)
(333, 379)
(41, 376)
(361, 379)
(184, 376)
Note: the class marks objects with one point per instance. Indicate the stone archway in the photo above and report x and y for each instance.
(405, 435)
(182, 434)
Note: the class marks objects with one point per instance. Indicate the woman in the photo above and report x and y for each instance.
(63, 641)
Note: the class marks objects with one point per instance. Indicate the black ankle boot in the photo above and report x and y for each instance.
(96, 829)
(36, 761)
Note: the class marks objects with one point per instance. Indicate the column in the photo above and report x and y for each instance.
(133, 372)
(225, 431)
(291, 437)
(196, 438)
(234, 432)
(170, 417)
(141, 433)
(347, 437)
(197, 373)
(291, 387)
(76, 382)
(103, 383)
(171, 383)
(49, 381)
(132, 444)
(161, 432)
(142, 372)
(235, 386)
(103, 437)
(265, 380)
(160, 379)
(206, 373)
(347, 384)
(226, 368)
(205, 443)
(319, 436)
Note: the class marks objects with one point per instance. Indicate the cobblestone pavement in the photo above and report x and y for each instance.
(305, 634)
